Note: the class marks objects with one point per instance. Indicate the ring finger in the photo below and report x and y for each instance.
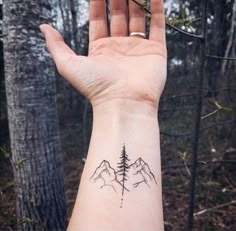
(136, 17)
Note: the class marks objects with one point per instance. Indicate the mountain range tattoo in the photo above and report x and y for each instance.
(128, 177)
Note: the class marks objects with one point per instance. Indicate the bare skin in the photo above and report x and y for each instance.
(122, 67)
(123, 78)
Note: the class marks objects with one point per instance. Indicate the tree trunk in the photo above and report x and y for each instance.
(216, 47)
(231, 44)
(32, 112)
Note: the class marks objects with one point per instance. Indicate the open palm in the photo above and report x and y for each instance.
(120, 66)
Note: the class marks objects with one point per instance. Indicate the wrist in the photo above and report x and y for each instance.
(125, 121)
(128, 122)
(126, 108)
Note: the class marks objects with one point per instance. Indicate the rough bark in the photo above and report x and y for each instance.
(33, 123)
(82, 29)
(231, 45)
(216, 47)
(74, 24)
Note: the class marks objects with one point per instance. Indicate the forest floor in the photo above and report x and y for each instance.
(215, 208)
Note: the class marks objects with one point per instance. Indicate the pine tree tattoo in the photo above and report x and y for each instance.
(126, 178)
(123, 168)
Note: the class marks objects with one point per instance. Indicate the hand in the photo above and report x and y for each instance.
(117, 67)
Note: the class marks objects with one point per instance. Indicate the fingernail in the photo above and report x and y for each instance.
(42, 30)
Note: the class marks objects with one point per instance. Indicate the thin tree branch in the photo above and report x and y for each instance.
(203, 129)
(220, 89)
(183, 155)
(219, 57)
(168, 24)
(210, 114)
(143, 7)
(185, 22)
(184, 32)
(174, 97)
(214, 208)
(201, 162)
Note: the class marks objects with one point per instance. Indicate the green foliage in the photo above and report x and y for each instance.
(8, 185)
(219, 106)
(20, 162)
(143, 6)
(25, 220)
(181, 21)
(4, 153)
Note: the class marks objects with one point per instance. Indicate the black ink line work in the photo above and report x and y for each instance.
(126, 178)
(123, 168)
(107, 175)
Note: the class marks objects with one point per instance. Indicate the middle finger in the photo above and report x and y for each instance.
(118, 12)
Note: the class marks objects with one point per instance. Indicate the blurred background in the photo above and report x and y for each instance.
(196, 115)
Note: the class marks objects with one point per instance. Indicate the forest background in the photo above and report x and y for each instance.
(196, 115)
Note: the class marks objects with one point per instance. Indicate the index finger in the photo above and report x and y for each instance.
(97, 20)
(157, 26)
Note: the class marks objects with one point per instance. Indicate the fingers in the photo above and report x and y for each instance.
(120, 24)
(97, 20)
(137, 17)
(119, 18)
(157, 26)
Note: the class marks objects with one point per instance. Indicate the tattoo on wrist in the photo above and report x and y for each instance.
(126, 178)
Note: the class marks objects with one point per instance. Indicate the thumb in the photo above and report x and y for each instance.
(63, 56)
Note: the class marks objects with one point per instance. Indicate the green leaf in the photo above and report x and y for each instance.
(25, 220)
(8, 185)
(20, 162)
(3, 152)
(219, 106)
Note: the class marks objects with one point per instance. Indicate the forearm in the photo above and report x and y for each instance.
(120, 187)
(121, 184)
